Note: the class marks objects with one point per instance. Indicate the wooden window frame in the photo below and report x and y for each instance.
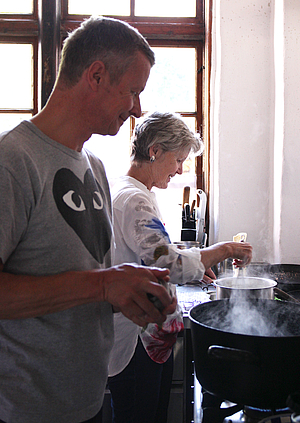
(49, 24)
(23, 29)
(166, 32)
(34, 42)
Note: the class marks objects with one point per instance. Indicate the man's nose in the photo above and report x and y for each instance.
(136, 111)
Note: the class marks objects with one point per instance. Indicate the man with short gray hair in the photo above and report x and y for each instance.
(58, 288)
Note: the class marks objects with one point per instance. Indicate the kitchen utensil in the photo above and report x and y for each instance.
(285, 296)
(193, 208)
(188, 231)
(156, 301)
(187, 212)
(201, 211)
(186, 196)
(244, 287)
(254, 370)
(295, 294)
(240, 237)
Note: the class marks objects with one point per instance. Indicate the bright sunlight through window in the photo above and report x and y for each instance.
(16, 7)
(156, 8)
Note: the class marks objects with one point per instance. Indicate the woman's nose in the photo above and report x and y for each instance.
(180, 169)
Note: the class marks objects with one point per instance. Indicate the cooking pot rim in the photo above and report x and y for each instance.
(227, 300)
(221, 283)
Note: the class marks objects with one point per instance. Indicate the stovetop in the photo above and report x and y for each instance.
(281, 416)
(227, 412)
(288, 279)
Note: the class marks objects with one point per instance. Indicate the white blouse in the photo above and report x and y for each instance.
(141, 238)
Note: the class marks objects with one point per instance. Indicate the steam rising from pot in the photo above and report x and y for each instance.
(243, 316)
(252, 317)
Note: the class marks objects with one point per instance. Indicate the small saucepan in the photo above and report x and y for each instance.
(245, 287)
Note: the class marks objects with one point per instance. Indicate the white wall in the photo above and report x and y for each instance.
(255, 116)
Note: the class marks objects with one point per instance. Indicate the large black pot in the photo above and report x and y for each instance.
(249, 369)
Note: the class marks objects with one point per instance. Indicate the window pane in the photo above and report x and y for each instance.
(99, 7)
(172, 81)
(16, 76)
(168, 8)
(16, 6)
(10, 120)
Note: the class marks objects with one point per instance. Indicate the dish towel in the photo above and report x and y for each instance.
(158, 340)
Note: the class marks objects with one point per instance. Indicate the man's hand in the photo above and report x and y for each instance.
(126, 287)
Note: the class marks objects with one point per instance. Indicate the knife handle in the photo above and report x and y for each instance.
(193, 207)
(187, 211)
(186, 195)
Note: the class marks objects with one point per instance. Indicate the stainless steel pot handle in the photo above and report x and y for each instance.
(219, 352)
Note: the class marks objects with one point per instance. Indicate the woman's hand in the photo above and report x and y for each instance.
(209, 276)
(240, 252)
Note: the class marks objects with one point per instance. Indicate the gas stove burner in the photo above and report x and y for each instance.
(257, 414)
(215, 410)
(242, 418)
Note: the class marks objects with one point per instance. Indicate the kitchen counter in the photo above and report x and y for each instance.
(190, 295)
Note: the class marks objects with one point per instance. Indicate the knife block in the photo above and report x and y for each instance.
(188, 234)
(188, 231)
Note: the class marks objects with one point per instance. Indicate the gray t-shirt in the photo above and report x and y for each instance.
(55, 216)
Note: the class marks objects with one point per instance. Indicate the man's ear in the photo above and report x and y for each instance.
(96, 74)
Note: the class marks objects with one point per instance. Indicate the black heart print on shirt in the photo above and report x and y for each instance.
(81, 205)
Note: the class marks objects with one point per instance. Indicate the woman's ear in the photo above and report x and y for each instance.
(154, 150)
(151, 151)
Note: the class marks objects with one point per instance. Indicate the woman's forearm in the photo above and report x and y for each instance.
(240, 251)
